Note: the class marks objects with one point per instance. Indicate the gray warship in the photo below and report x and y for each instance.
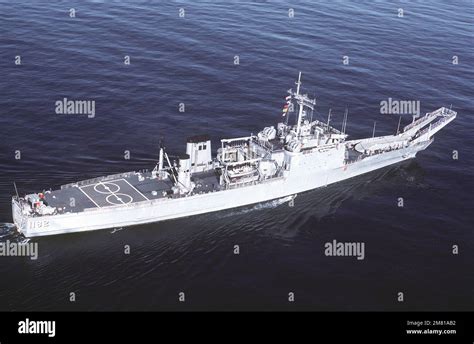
(278, 163)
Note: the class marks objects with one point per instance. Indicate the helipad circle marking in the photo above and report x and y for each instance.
(107, 188)
(120, 198)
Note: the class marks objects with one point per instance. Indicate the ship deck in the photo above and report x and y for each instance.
(122, 189)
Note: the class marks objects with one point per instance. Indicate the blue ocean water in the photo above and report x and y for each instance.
(190, 60)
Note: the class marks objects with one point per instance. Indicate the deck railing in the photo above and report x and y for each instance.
(441, 112)
(435, 125)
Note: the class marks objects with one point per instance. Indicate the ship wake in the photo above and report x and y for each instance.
(260, 206)
(9, 232)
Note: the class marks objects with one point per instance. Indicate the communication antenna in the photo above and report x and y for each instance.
(312, 109)
(329, 119)
(344, 122)
(300, 103)
(298, 83)
(398, 128)
(16, 190)
(373, 132)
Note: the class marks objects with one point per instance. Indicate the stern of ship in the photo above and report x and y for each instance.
(19, 219)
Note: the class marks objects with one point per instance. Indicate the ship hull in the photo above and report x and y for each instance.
(291, 183)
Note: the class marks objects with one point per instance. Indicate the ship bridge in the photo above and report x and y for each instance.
(306, 133)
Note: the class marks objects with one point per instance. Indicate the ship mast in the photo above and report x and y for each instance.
(300, 113)
(298, 83)
(302, 100)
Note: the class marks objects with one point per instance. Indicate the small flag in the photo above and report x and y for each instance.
(288, 98)
(285, 109)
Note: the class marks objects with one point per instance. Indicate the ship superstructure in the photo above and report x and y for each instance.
(278, 162)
